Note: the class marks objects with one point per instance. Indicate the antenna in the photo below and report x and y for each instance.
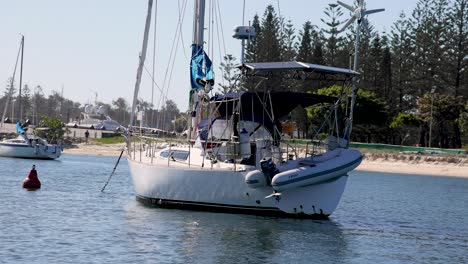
(359, 15)
(244, 33)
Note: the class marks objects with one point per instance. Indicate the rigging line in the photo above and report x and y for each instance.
(172, 67)
(222, 28)
(172, 53)
(279, 9)
(219, 42)
(180, 31)
(154, 82)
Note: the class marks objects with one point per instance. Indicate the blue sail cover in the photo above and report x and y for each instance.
(208, 69)
(19, 129)
(197, 75)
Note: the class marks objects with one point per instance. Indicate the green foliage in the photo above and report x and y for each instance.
(368, 109)
(463, 122)
(406, 126)
(109, 140)
(230, 73)
(402, 120)
(180, 124)
(53, 129)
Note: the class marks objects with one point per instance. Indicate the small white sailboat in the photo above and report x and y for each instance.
(235, 160)
(26, 146)
(29, 146)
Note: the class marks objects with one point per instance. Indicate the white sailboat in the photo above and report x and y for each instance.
(30, 147)
(235, 160)
(27, 145)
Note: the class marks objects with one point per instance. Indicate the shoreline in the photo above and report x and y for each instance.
(433, 168)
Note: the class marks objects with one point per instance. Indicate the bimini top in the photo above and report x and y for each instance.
(266, 108)
(296, 66)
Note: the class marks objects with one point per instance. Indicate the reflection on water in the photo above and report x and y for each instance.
(228, 238)
(382, 218)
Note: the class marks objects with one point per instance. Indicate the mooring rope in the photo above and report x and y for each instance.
(115, 167)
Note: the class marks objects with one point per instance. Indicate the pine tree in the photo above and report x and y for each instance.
(332, 40)
(251, 51)
(26, 101)
(269, 37)
(457, 60)
(289, 41)
(305, 52)
(229, 74)
(402, 50)
(421, 72)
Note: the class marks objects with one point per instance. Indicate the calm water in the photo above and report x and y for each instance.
(383, 218)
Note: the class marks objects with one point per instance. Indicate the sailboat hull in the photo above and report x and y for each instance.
(29, 152)
(223, 190)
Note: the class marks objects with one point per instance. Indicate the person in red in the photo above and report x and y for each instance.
(32, 181)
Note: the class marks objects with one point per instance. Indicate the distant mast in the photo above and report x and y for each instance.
(12, 83)
(142, 62)
(21, 80)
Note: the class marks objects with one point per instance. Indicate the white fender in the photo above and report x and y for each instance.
(255, 179)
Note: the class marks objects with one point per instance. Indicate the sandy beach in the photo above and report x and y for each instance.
(370, 163)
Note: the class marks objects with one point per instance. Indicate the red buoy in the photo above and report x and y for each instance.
(32, 181)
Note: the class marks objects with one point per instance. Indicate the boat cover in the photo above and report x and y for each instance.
(296, 66)
(266, 108)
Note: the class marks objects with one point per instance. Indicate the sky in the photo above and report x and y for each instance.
(91, 47)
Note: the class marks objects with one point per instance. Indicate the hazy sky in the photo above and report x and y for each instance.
(92, 46)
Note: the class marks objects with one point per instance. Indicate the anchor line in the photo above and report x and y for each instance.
(112, 174)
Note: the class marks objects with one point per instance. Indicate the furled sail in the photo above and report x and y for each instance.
(200, 74)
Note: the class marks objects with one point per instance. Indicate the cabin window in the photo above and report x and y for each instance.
(176, 154)
(180, 154)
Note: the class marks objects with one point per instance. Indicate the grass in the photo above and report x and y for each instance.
(106, 141)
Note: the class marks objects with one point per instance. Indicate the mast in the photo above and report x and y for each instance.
(199, 23)
(359, 14)
(12, 83)
(197, 50)
(21, 79)
(142, 61)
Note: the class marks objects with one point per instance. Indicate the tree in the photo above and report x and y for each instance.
(121, 107)
(333, 13)
(268, 38)
(441, 111)
(267, 47)
(53, 129)
(169, 112)
(26, 102)
(39, 104)
(370, 115)
(252, 49)
(457, 60)
(407, 126)
(402, 50)
(305, 52)
(289, 41)
(230, 75)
